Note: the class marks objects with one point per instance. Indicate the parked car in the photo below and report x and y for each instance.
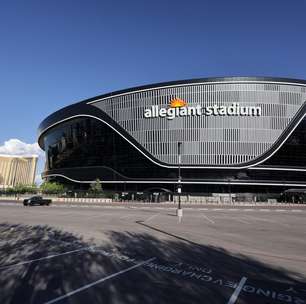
(36, 200)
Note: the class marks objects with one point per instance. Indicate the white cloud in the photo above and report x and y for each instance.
(15, 146)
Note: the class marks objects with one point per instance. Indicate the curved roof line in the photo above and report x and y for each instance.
(195, 81)
(178, 83)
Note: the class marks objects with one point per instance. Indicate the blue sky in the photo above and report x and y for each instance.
(54, 53)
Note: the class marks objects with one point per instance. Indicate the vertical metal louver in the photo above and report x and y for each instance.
(208, 140)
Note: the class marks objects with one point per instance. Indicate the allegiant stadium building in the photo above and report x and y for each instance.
(245, 132)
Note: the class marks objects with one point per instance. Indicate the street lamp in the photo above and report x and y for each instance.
(229, 191)
(179, 185)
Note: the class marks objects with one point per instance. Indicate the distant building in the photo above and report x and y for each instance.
(15, 169)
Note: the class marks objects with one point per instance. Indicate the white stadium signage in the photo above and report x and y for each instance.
(179, 108)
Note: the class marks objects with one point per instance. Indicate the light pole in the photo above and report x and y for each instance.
(229, 191)
(179, 185)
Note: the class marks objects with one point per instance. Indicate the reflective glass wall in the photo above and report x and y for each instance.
(85, 149)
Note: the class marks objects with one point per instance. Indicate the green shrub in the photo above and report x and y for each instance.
(52, 188)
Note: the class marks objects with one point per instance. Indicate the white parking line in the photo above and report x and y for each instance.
(237, 291)
(125, 216)
(296, 210)
(151, 217)
(241, 220)
(266, 220)
(259, 219)
(97, 282)
(207, 218)
(100, 215)
(235, 219)
(43, 258)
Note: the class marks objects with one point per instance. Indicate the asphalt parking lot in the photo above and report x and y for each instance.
(74, 254)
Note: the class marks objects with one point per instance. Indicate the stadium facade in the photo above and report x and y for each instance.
(247, 133)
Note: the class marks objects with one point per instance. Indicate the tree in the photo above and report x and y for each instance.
(26, 189)
(52, 188)
(96, 187)
(22, 189)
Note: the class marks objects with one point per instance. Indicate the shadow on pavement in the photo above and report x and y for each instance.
(53, 262)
